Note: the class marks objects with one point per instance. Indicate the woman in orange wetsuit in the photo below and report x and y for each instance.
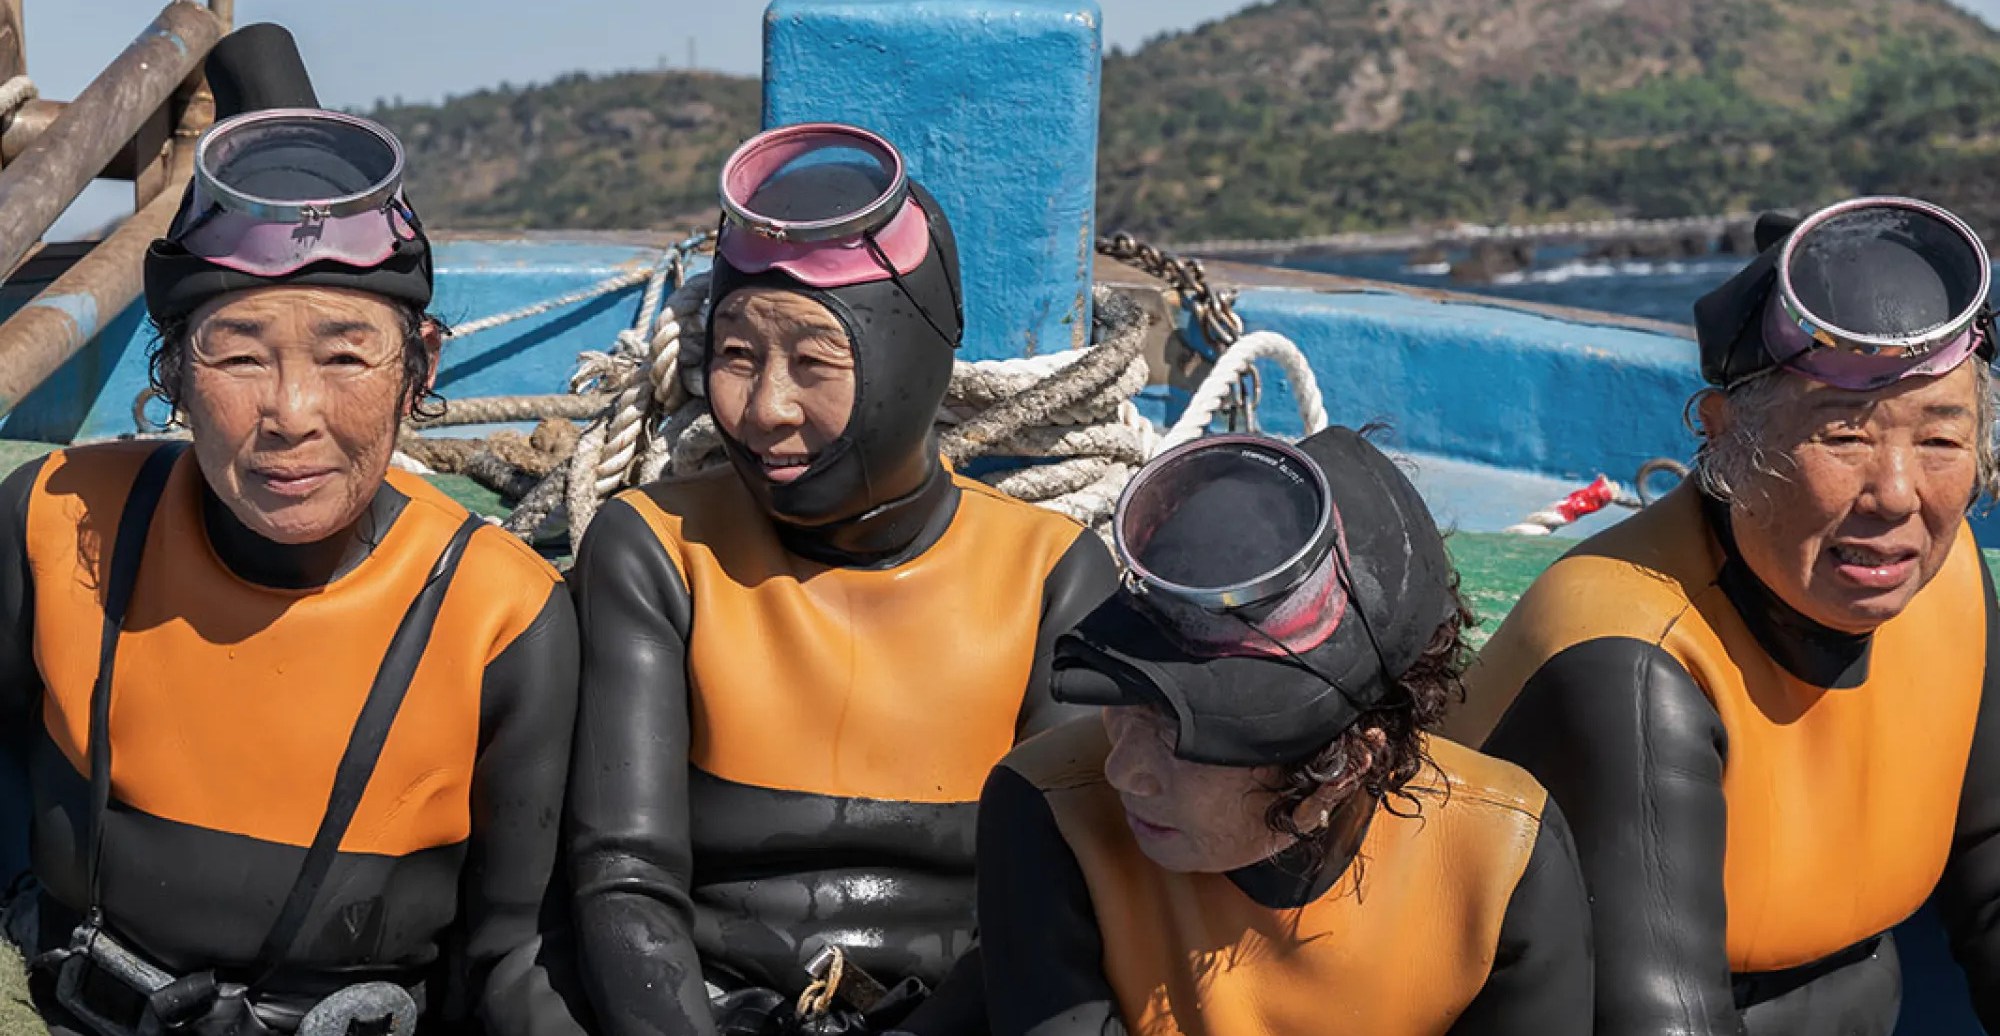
(1259, 837)
(1765, 702)
(296, 726)
(799, 668)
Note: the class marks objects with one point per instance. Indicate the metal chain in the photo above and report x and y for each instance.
(1214, 310)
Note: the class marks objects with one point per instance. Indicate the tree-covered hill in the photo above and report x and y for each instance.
(1300, 117)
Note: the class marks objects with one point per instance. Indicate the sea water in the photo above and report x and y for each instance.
(1663, 289)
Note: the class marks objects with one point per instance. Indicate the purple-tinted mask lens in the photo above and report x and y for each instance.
(1873, 290)
(280, 189)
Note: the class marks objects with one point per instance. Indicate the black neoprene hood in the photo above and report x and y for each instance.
(1243, 710)
(904, 333)
(257, 68)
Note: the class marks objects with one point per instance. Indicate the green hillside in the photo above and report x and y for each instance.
(1307, 116)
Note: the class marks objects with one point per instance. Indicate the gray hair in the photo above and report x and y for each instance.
(1727, 465)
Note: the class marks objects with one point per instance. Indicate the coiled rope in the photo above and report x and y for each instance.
(15, 94)
(1062, 428)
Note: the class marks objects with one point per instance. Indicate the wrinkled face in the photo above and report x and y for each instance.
(1874, 487)
(293, 396)
(1193, 817)
(780, 377)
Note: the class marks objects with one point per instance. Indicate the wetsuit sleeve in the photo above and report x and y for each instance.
(1629, 746)
(628, 824)
(1039, 943)
(1969, 893)
(528, 708)
(20, 680)
(1083, 577)
(1540, 984)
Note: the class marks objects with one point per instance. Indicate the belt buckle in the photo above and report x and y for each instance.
(90, 951)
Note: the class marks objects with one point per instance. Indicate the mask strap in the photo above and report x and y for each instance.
(922, 311)
(1295, 658)
(1367, 627)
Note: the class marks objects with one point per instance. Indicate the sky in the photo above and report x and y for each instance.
(360, 51)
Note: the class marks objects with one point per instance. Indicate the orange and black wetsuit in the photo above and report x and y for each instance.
(242, 666)
(1757, 800)
(780, 749)
(1467, 918)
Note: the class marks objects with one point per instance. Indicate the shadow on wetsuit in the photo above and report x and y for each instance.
(242, 666)
(1757, 800)
(792, 692)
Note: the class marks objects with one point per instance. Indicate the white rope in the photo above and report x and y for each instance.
(404, 462)
(15, 94)
(1576, 506)
(978, 386)
(607, 286)
(1089, 441)
(1230, 368)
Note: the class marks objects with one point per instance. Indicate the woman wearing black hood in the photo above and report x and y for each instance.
(798, 669)
(1259, 836)
(296, 725)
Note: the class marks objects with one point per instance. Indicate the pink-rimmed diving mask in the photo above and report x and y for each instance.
(279, 189)
(1233, 541)
(1873, 290)
(828, 204)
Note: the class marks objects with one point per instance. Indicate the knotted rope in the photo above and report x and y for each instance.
(1067, 418)
(15, 94)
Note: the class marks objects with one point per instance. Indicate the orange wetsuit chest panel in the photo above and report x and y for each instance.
(232, 702)
(1841, 802)
(902, 683)
(1192, 955)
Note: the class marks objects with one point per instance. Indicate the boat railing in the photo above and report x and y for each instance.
(137, 120)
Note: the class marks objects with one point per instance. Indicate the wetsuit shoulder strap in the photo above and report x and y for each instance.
(364, 749)
(133, 523)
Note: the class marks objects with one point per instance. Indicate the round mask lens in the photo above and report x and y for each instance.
(291, 166)
(1226, 521)
(1884, 276)
(813, 183)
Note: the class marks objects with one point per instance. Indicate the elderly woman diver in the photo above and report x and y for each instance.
(1259, 836)
(1764, 702)
(798, 668)
(296, 726)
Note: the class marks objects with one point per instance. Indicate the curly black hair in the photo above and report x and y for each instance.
(166, 359)
(1427, 689)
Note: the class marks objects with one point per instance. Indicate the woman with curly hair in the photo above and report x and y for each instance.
(1260, 835)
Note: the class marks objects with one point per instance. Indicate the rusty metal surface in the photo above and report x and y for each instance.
(40, 184)
(13, 43)
(26, 126)
(93, 290)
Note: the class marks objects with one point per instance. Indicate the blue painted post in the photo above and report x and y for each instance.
(994, 102)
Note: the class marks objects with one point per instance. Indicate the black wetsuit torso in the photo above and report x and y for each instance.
(783, 734)
(239, 674)
(1756, 799)
(1469, 918)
